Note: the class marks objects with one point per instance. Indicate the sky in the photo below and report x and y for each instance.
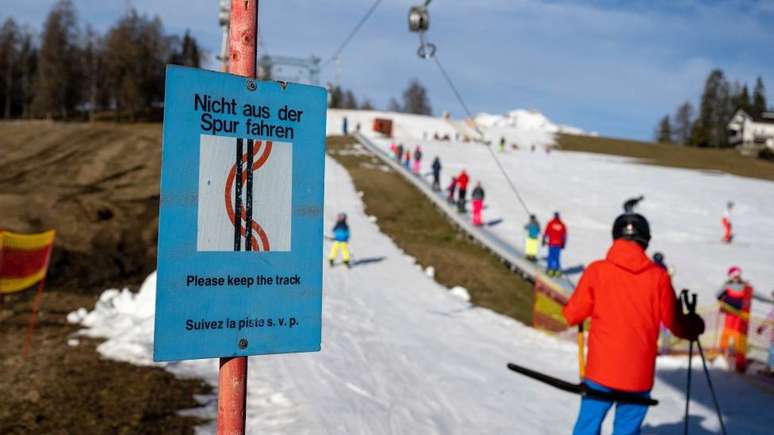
(614, 67)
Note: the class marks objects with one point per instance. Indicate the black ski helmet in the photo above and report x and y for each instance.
(632, 226)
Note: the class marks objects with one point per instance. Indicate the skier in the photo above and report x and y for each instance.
(452, 188)
(735, 299)
(407, 159)
(478, 204)
(340, 240)
(502, 144)
(462, 187)
(769, 322)
(628, 296)
(417, 160)
(436, 174)
(555, 237)
(726, 222)
(399, 153)
(631, 203)
(531, 245)
(344, 126)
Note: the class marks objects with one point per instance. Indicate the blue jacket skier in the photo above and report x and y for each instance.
(340, 240)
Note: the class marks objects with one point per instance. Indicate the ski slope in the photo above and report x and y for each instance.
(684, 206)
(403, 355)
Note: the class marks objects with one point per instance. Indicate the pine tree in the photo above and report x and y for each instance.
(335, 97)
(715, 111)
(366, 105)
(759, 98)
(92, 67)
(415, 99)
(9, 59)
(188, 52)
(56, 78)
(28, 62)
(664, 130)
(138, 51)
(682, 123)
(348, 100)
(394, 106)
(742, 100)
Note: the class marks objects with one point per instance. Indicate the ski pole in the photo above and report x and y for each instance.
(691, 305)
(712, 389)
(688, 388)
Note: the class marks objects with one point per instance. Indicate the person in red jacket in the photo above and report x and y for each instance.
(735, 299)
(627, 296)
(556, 237)
(462, 188)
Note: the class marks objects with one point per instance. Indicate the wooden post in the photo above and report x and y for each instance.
(232, 380)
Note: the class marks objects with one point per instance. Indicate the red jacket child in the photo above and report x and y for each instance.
(462, 180)
(556, 232)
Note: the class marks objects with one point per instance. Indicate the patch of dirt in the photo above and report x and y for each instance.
(97, 185)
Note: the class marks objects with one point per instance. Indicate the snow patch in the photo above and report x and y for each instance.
(460, 292)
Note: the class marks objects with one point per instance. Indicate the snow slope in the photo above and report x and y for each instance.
(403, 355)
(683, 206)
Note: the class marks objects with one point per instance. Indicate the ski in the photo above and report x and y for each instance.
(581, 388)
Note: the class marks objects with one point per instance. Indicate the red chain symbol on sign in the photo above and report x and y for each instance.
(255, 228)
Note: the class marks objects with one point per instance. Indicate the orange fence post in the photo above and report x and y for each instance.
(232, 379)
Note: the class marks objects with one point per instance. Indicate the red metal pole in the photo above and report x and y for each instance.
(33, 318)
(232, 380)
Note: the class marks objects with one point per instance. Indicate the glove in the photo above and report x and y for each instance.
(694, 326)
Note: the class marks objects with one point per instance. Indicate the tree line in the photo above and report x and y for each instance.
(414, 100)
(719, 101)
(70, 71)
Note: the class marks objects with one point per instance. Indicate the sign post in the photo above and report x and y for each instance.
(232, 378)
(240, 217)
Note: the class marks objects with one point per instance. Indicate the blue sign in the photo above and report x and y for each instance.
(240, 219)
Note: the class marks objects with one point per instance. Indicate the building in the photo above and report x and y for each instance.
(751, 134)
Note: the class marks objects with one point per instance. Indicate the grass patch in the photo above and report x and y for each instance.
(422, 231)
(723, 160)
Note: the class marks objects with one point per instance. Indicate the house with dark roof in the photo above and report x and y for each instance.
(751, 133)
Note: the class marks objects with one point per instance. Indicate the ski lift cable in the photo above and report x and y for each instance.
(351, 34)
(478, 130)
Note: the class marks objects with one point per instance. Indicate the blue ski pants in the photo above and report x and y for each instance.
(553, 257)
(628, 416)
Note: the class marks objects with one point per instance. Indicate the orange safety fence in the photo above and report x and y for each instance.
(23, 259)
(24, 262)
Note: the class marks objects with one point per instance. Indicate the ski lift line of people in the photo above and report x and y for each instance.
(419, 22)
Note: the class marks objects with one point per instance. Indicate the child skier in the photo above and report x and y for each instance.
(555, 237)
(436, 174)
(531, 244)
(407, 159)
(769, 322)
(478, 204)
(462, 186)
(726, 222)
(452, 189)
(735, 299)
(340, 240)
(628, 296)
(417, 160)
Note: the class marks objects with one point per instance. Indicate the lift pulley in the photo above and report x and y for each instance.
(419, 22)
